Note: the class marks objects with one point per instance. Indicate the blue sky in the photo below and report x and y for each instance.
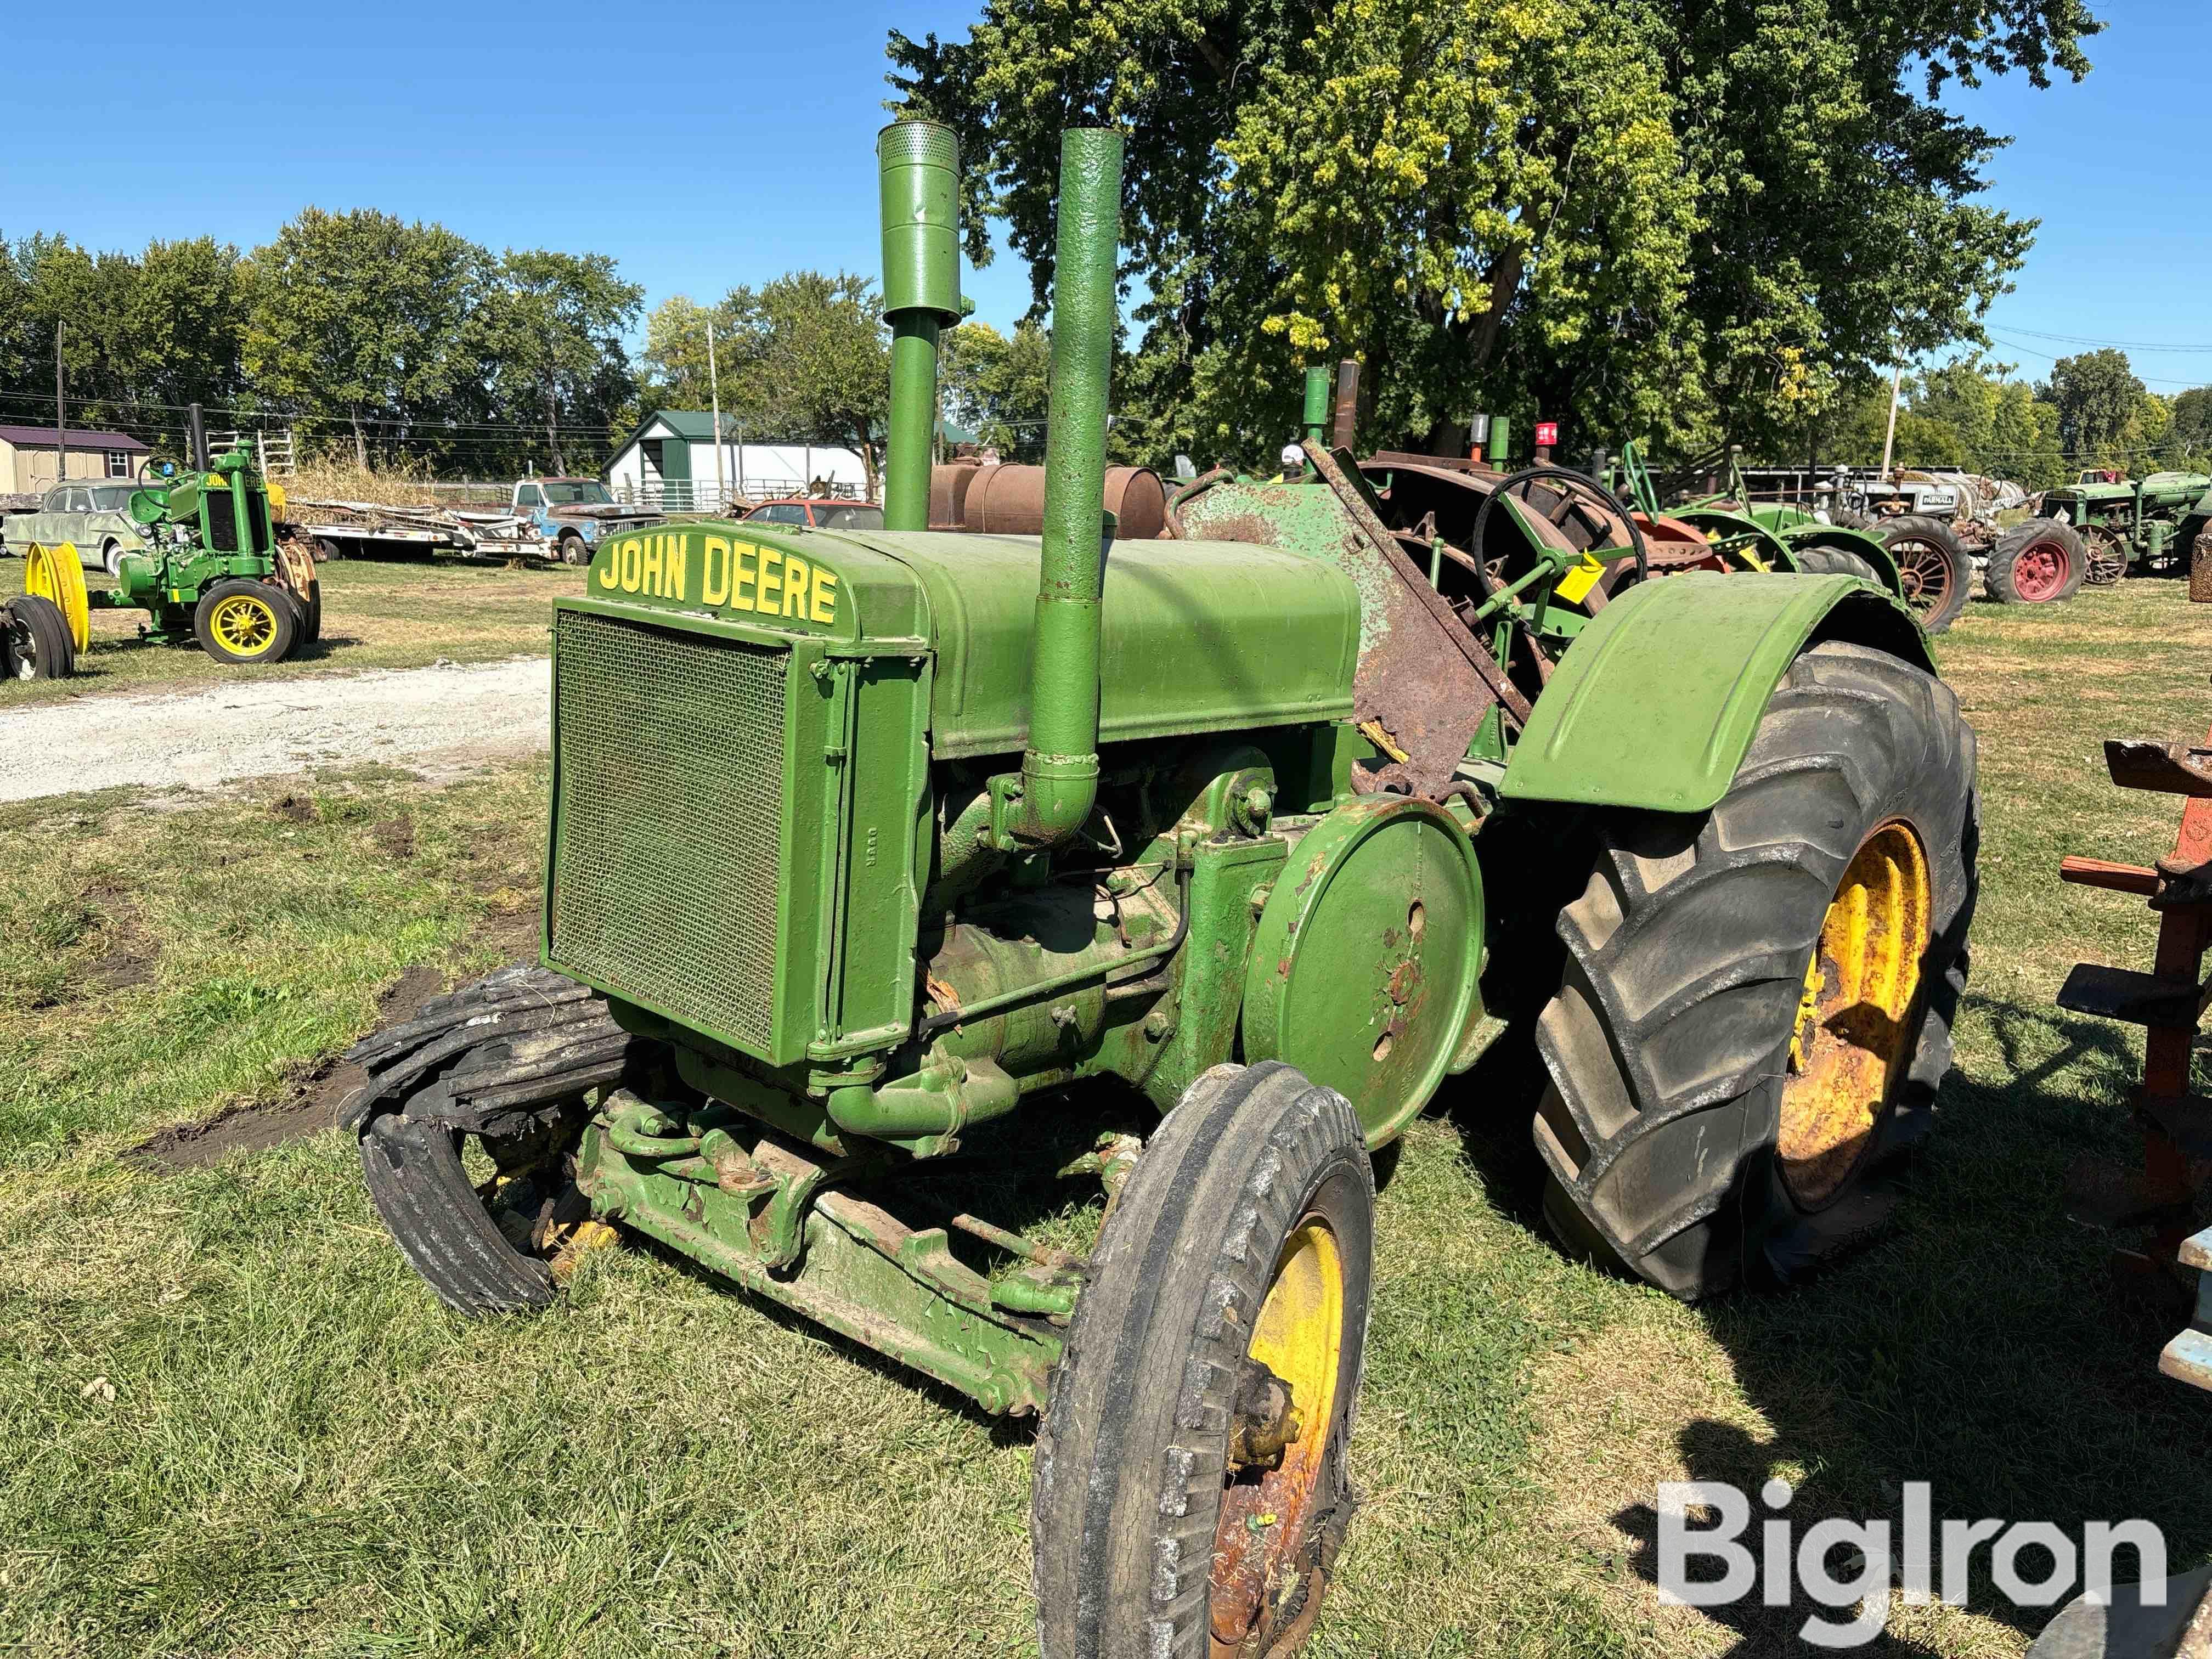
(709, 145)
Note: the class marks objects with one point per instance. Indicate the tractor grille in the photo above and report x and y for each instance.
(666, 858)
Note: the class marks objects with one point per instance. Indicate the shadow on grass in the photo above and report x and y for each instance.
(1981, 1345)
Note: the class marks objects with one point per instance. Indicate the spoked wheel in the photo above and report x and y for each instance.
(35, 640)
(2108, 556)
(1191, 1490)
(239, 621)
(2037, 561)
(1932, 570)
(1757, 1004)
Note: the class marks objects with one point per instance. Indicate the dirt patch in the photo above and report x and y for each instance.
(308, 1106)
(395, 838)
(293, 809)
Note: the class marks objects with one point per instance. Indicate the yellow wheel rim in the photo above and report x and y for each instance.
(242, 625)
(1852, 1039)
(56, 573)
(1299, 1337)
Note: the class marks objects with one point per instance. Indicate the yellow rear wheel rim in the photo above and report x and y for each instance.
(242, 625)
(1299, 1334)
(1853, 1036)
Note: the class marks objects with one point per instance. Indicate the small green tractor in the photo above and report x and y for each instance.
(2099, 532)
(898, 879)
(214, 573)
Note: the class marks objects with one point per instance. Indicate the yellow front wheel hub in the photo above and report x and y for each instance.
(1853, 1036)
(1298, 1337)
(243, 626)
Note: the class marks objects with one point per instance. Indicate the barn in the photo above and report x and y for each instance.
(26, 457)
(669, 462)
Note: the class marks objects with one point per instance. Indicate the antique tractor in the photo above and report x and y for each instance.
(868, 847)
(2151, 525)
(214, 573)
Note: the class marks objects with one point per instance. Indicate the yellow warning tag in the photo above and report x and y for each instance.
(1580, 580)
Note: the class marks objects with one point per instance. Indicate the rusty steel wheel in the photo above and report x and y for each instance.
(1190, 1491)
(1932, 568)
(2107, 552)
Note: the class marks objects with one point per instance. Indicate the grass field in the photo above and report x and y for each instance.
(375, 615)
(237, 1424)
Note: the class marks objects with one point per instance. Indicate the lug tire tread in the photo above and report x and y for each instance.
(1122, 1542)
(1669, 1036)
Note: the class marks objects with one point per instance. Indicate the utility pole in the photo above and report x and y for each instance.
(1889, 438)
(61, 413)
(714, 395)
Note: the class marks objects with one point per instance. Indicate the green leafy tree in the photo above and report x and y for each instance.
(364, 314)
(1642, 216)
(181, 331)
(2099, 400)
(675, 364)
(552, 337)
(999, 387)
(809, 360)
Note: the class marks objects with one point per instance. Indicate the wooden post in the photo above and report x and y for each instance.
(61, 413)
(715, 395)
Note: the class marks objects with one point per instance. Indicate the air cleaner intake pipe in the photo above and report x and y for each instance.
(1060, 769)
(918, 163)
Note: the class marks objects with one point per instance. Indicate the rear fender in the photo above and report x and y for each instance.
(1654, 704)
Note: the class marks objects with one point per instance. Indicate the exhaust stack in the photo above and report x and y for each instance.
(1060, 769)
(918, 163)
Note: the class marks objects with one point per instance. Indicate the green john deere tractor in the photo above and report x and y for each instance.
(2097, 533)
(214, 573)
(883, 865)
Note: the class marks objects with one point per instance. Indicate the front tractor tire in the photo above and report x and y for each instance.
(245, 622)
(1190, 1491)
(1757, 1004)
(34, 640)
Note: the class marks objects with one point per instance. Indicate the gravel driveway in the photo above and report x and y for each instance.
(434, 720)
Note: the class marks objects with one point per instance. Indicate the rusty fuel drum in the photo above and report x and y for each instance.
(1009, 500)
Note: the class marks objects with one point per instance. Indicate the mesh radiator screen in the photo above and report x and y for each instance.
(666, 860)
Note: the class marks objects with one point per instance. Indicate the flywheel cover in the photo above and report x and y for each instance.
(1364, 968)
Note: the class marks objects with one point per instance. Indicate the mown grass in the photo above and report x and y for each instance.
(302, 1455)
(375, 615)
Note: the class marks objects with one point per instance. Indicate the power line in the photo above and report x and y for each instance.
(2122, 345)
(2151, 379)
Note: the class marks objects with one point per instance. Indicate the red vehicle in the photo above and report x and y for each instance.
(821, 513)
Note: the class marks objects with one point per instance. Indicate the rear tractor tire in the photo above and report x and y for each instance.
(1932, 567)
(245, 622)
(1757, 1004)
(34, 640)
(2037, 561)
(1190, 1491)
(1836, 561)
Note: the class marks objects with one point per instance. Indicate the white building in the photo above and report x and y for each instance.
(669, 462)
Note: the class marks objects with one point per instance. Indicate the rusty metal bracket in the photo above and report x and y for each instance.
(2174, 769)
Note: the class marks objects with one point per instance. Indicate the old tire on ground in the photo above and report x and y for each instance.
(510, 1059)
(1935, 570)
(2037, 561)
(574, 549)
(435, 1215)
(1836, 561)
(37, 646)
(241, 621)
(1757, 1004)
(1245, 1233)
